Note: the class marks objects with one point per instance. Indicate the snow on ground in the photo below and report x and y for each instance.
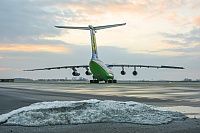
(88, 111)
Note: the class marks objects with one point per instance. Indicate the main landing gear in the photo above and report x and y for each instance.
(94, 81)
(112, 81)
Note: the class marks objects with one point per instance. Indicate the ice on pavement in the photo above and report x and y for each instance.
(88, 111)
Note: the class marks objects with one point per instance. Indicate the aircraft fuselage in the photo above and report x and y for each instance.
(100, 71)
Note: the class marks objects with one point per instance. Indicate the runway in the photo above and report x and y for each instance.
(182, 97)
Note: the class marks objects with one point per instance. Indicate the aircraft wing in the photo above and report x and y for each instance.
(62, 67)
(140, 66)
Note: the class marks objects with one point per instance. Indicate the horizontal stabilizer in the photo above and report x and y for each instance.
(108, 26)
(91, 27)
(71, 27)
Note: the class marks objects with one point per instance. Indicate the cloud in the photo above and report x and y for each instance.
(35, 48)
(195, 4)
(4, 69)
(188, 38)
(166, 9)
(26, 26)
(186, 43)
(117, 6)
(27, 19)
(159, 52)
(196, 20)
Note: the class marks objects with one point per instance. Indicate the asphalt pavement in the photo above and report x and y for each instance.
(13, 97)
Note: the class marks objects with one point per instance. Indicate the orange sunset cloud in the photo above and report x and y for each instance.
(197, 20)
(4, 69)
(35, 48)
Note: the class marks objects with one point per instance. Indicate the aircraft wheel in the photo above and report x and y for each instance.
(110, 81)
(94, 81)
(114, 81)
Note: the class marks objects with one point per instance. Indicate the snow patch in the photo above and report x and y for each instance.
(88, 111)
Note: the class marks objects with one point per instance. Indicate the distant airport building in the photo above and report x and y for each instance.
(187, 80)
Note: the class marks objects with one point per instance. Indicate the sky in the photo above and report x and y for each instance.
(157, 32)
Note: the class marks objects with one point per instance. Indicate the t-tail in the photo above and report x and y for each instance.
(93, 30)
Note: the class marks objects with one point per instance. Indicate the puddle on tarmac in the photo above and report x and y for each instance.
(191, 112)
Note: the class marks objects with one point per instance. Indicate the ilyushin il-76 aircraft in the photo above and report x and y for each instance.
(96, 68)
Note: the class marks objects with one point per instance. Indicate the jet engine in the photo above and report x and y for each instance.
(88, 73)
(135, 73)
(75, 73)
(123, 72)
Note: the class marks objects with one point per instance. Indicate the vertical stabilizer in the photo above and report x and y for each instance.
(92, 34)
(93, 44)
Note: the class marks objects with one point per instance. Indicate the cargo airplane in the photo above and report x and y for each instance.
(96, 68)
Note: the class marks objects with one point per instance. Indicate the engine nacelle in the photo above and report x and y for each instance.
(88, 73)
(135, 73)
(123, 72)
(75, 73)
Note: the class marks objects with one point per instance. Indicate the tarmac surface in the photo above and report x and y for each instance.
(182, 97)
